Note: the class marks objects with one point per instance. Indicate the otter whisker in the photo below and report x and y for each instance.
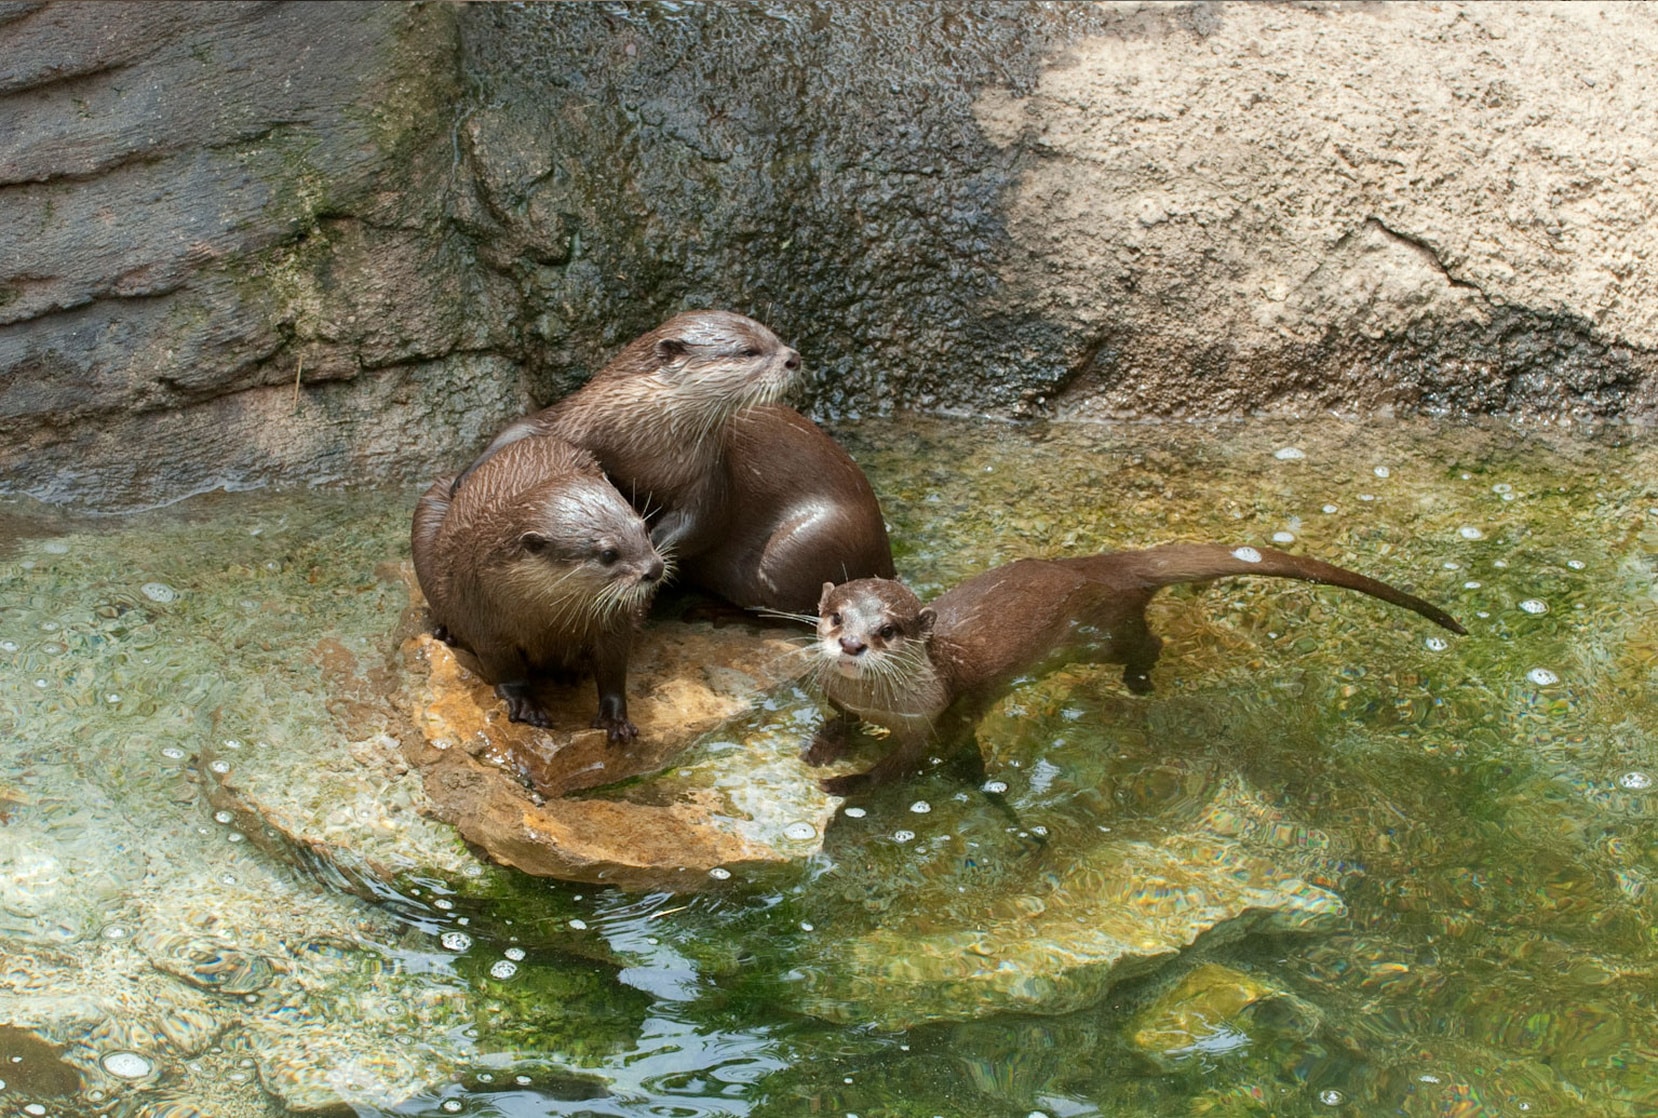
(784, 615)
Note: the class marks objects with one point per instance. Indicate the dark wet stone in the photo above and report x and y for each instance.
(33, 1068)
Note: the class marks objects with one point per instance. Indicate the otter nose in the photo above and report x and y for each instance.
(652, 572)
(792, 361)
(852, 647)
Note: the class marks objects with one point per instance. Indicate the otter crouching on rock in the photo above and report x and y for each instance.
(887, 659)
(753, 501)
(536, 570)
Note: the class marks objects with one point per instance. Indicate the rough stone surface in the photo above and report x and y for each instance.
(433, 760)
(1442, 207)
(728, 806)
(430, 218)
(221, 249)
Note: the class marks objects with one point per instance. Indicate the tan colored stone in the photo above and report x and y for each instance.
(725, 806)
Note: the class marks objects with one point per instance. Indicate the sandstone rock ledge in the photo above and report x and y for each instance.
(727, 804)
(428, 759)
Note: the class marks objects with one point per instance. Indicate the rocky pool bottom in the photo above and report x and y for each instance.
(1407, 873)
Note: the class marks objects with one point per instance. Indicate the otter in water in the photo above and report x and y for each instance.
(536, 570)
(924, 670)
(752, 500)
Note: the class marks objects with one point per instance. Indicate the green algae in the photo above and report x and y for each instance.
(1489, 835)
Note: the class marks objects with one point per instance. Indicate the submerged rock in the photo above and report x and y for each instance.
(1208, 1012)
(1079, 922)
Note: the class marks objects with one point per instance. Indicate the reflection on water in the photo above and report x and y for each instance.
(1482, 806)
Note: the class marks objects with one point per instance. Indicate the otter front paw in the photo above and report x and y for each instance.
(832, 740)
(827, 746)
(619, 731)
(527, 711)
(521, 705)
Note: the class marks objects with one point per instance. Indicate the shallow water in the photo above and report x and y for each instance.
(1482, 804)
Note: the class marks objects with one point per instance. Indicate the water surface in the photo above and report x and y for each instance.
(1482, 805)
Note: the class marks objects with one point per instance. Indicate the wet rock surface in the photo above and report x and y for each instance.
(249, 245)
(435, 775)
(735, 802)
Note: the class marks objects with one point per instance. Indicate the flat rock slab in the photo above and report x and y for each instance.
(1124, 909)
(429, 772)
(726, 806)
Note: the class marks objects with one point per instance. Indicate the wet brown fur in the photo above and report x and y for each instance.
(537, 569)
(754, 502)
(915, 666)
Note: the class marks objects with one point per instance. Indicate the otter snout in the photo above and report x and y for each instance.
(791, 360)
(653, 570)
(852, 646)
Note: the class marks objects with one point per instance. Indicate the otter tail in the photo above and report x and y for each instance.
(1170, 564)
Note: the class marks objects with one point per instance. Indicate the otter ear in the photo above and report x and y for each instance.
(670, 349)
(828, 588)
(924, 623)
(533, 543)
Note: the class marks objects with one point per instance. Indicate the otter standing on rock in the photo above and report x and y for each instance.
(753, 501)
(537, 569)
(887, 659)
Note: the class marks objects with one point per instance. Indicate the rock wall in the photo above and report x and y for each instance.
(288, 242)
(222, 248)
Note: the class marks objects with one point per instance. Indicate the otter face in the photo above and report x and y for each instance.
(873, 627)
(714, 363)
(588, 545)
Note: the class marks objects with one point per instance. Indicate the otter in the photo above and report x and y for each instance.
(887, 659)
(751, 499)
(537, 570)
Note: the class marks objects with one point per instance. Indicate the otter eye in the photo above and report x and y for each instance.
(834, 619)
(749, 352)
(609, 555)
(887, 632)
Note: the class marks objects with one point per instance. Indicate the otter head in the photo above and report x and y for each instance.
(579, 549)
(874, 628)
(700, 367)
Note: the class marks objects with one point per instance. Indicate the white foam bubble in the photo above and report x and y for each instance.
(1534, 605)
(158, 592)
(1469, 532)
(126, 1065)
(1283, 537)
(1246, 555)
(455, 941)
(921, 807)
(1289, 453)
(1634, 781)
(1542, 677)
(800, 831)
